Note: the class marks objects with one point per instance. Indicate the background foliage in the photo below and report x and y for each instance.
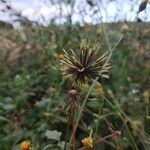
(32, 89)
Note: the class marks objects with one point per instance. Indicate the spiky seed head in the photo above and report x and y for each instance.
(85, 66)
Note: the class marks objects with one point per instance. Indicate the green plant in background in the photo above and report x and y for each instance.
(32, 91)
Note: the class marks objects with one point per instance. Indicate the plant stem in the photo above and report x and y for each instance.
(73, 129)
(82, 107)
(120, 113)
(93, 84)
(129, 133)
(98, 120)
(67, 132)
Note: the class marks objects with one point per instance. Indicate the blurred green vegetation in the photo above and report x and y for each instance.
(32, 89)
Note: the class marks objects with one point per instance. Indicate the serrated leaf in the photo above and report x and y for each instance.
(54, 135)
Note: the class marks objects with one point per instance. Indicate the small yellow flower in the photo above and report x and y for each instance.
(99, 91)
(146, 94)
(52, 90)
(136, 125)
(61, 56)
(25, 145)
(88, 142)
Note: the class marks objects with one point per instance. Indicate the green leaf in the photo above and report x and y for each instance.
(55, 135)
(42, 127)
(9, 107)
(3, 119)
(43, 102)
(61, 144)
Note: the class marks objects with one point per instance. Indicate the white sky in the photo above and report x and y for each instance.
(43, 12)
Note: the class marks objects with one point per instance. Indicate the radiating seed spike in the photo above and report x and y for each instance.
(73, 53)
(105, 76)
(105, 54)
(103, 71)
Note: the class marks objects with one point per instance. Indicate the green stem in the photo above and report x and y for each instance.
(129, 133)
(120, 113)
(73, 130)
(98, 120)
(67, 132)
(84, 102)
